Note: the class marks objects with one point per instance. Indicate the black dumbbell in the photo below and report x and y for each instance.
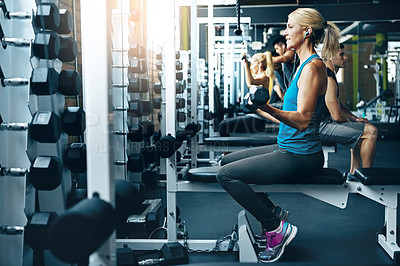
(81, 230)
(179, 75)
(47, 15)
(178, 65)
(47, 81)
(136, 162)
(46, 126)
(149, 154)
(46, 45)
(75, 157)
(180, 116)
(167, 146)
(179, 87)
(35, 231)
(68, 49)
(148, 128)
(157, 103)
(135, 133)
(37, 228)
(45, 172)
(157, 87)
(73, 121)
(258, 95)
(179, 103)
(135, 108)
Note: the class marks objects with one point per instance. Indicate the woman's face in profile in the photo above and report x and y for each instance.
(294, 34)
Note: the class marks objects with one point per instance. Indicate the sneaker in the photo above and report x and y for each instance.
(281, 214)
(276, 243)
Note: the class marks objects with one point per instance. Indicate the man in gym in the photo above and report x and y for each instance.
(285, 57)
(340, 126)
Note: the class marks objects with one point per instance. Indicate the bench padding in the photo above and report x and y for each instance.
(378, 176)
(327, 176)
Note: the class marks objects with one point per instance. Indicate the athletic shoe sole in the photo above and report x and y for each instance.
(289, 238)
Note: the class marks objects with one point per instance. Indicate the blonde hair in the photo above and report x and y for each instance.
(266, 61)
(325, 32)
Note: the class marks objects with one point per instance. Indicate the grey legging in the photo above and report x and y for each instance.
(263, 165)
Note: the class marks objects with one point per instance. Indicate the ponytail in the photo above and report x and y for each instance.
(331, 41)
(325, 32)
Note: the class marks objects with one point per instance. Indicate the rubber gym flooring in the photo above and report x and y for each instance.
(327, 235)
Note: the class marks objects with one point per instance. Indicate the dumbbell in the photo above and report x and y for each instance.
(179, 75)
(135, 133)
(75, 157)
(136, 50)
(136, 162)
(81, 230)
(35, 231)
(148, 128)
(46, 45)
(157, 87)
(137, 65)
(159, 65)
(47, 81)
(45, 126)
(179, 87)
(47, 15)
(45, 172)
(180, 116)
(138, 85)
(258, 95)
(167, 146)
(179, 103)
(73, 121)
(157, 103)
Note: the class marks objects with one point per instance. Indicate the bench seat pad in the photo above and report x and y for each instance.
(378, 176)
(326, 176)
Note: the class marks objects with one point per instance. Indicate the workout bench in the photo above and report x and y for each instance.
(378, 184)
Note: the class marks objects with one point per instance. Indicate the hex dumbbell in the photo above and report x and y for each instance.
(45, 172)
(47, 44)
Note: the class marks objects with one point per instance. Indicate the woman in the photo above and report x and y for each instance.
(299, 150)
(261, 73)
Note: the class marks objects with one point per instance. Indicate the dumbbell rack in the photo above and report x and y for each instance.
(13, 107)
(20, 101)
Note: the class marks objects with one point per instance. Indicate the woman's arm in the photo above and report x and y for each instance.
(312, 83)
(250, 80)
(267, 116)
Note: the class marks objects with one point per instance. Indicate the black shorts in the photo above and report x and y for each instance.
(346, 134)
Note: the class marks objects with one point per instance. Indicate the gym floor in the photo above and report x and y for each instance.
(327, 235)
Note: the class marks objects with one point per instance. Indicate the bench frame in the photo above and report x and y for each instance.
(336, 195)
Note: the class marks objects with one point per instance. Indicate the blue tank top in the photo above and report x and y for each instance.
(292, 139)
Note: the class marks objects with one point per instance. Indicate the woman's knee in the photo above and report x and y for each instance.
(223, 176)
